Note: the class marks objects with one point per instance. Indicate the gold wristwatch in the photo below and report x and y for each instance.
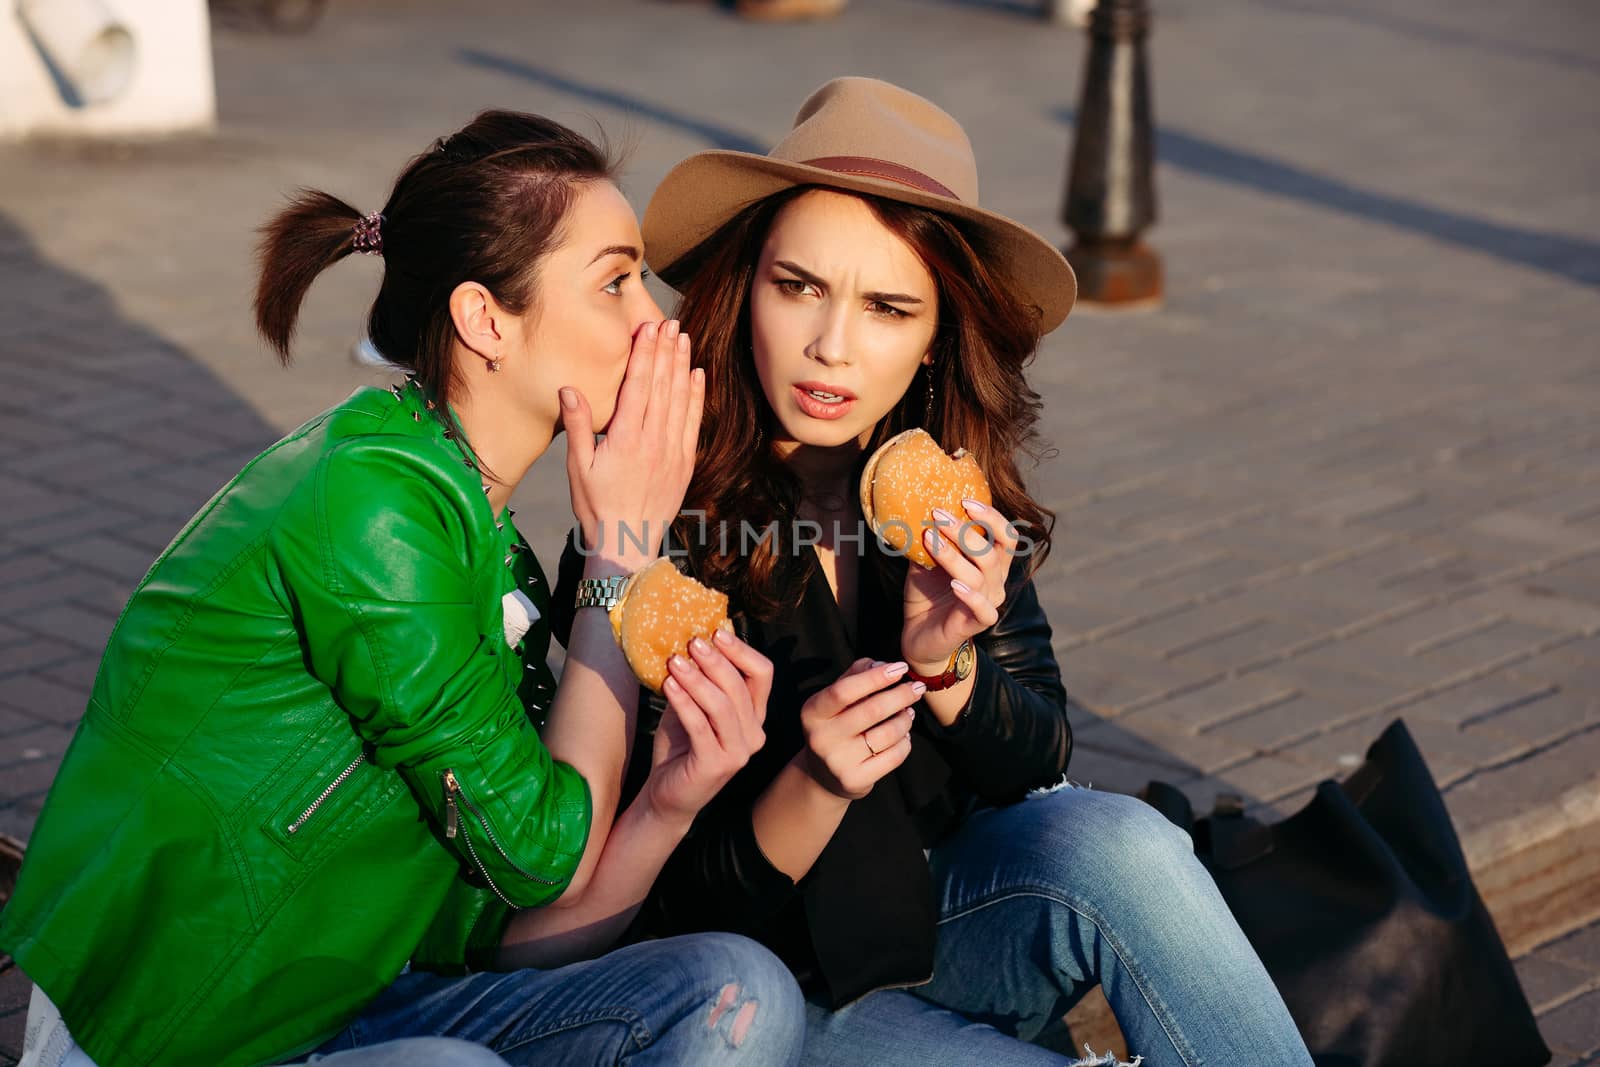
(959, 669)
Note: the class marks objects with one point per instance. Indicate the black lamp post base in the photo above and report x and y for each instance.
(1120, 273)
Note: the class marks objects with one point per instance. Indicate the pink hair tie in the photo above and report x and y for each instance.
(368, 239)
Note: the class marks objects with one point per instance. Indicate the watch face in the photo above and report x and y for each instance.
(965, 658)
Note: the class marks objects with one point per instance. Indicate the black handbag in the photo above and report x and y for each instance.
(1362, 909)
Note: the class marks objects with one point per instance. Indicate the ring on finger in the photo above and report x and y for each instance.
(868, 743)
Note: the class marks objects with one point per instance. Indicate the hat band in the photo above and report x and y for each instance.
(868, 167)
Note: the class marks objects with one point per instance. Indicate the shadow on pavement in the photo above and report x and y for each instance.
(110, 438)
(1568, 257)
(717, 136)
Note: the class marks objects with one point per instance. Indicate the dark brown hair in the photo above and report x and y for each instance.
(484, 204)
(983, 403)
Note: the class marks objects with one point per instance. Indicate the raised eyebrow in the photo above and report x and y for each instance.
(806, 276)
(616, 250)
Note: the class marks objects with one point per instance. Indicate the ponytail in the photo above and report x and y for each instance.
(313, 233)
(485, 204)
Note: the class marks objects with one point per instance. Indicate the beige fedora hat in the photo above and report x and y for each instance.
(866, 136)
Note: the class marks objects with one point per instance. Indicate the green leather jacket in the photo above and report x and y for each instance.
(307, 730)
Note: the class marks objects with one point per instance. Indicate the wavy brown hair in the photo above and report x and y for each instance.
(984, 339)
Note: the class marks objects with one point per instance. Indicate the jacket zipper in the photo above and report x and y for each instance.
(454, 796)
(326, 793)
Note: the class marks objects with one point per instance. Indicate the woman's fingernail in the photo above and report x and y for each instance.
(918, 688)
(569, 398)
(699, 645)
(930, 537)
(944, 517)
(724, 638)
(683, 342)
(671, 686)
(678, 663)
(672, 329)
(895, 670)
(974, 507)
(650, 329)
(960, 586)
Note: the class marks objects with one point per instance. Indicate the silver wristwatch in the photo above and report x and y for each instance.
(599, 592)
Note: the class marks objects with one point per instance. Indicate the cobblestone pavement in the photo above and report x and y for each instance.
(1350, 470)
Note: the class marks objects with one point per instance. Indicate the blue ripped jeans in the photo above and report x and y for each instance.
(711, 999)
(1040, 900)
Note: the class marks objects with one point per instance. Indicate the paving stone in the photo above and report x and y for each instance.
(1116, 774)
(1544, 979)
(1149, 736)
(1241, 646)
(60, 588)
(77, 673)
(37, 696)
(1353, 507)
(1339, 687)
(1226, 699)
(1533, 530)
(1172, 635)
(28, 778)
(1282, 724)
(1370, 656)
(1574, 1026)
(1579, 949)
(24, 567)
(1482, 700)
(1536, 603)
(1263, 779)
(33, 654)
(1107, 675)
(74, 624)
(15, 989)
(1523, 784)
(1301, 599)
(1449, 752)
(106, 555)
(13, 722)
(1543, 720)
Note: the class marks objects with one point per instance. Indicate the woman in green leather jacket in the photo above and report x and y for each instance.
(324, 776)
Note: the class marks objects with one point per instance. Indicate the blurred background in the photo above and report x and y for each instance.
(1345, 469)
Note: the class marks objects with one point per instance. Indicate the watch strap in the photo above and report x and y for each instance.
(946, 678)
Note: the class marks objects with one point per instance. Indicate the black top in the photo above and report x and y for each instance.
(863, 917)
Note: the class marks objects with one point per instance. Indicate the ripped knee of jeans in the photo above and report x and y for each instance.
(1103, 1059)
(737, 1010)
(1046, 790)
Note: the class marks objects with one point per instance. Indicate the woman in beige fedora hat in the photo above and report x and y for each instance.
(903, 840)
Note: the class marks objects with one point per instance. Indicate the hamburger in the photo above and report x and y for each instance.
(905, 479)
(658, 612)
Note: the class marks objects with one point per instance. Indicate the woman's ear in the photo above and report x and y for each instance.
(927, 358)
(478, 319)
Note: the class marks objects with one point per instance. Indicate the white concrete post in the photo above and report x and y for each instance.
(105, 67)
(91, 52)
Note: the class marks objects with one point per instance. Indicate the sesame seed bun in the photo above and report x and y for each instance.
(656, 615)
(906, 478)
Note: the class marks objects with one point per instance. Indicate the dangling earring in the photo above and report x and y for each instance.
(927, 413)
(494, 365)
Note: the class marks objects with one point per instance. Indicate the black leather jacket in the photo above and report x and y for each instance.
(863, 918)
